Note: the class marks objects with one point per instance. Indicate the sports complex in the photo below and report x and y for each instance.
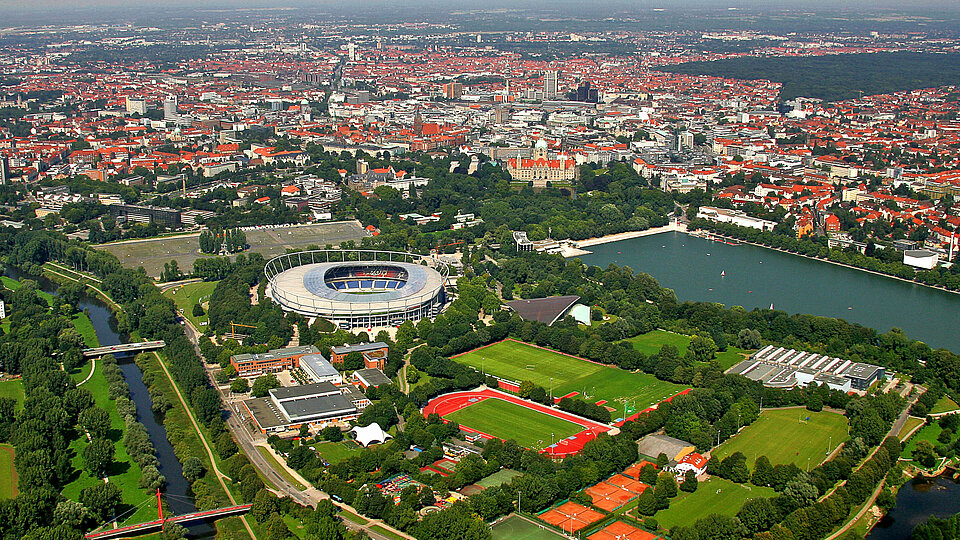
(625, 393)
(364, 288)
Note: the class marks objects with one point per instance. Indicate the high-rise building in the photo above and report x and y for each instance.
(170, 108)
(453, 90)
(136, 106)
(352, 51)
(549, 84)
(4, 169)
(587, 94)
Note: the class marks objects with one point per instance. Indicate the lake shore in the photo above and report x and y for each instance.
(577, 250)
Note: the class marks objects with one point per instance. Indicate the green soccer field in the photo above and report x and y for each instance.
(531, 429)
(188, 296)
(563, 374)
(715, 496)
(517, 528)
(785, 436)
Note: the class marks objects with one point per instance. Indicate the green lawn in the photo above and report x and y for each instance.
(912, 422)
(715, 496)
(945, 405)
(531, 429)
(84, 325)
(650, 343)
(928, 433)
(780, 435)
(514, 527)
(350, 516)
(190, 295)
(13, 389)
(386, 532)
(335, 452)
(124, 472)
(498, 478)
(519, 361)
(265, 452)
(8, 473)
(13, 285)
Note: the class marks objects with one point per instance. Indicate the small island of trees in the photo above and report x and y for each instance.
(217, 241)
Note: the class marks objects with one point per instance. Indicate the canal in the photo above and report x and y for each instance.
(707, 271)
(917, 500)
(178, 494)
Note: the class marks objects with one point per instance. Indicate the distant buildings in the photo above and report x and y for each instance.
(736, 217)
(540, 170)
(453, 90)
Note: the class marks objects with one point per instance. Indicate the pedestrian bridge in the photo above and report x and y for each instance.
(124, 348)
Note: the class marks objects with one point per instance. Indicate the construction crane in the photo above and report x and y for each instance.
(233, 331)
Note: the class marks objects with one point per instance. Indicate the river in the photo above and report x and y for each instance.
(177, 492)
(917, 500)
(760, 277)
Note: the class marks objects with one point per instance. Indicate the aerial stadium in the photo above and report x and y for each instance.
(358, 288)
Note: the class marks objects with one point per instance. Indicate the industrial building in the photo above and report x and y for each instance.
(318, 404)
(777, 367)
(736, 217)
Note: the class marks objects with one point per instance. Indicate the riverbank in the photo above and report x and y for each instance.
(821, 259)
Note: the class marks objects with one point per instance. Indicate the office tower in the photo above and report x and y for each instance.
(549, 84)
(170, 108)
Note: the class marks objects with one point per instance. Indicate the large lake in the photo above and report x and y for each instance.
(759, 277)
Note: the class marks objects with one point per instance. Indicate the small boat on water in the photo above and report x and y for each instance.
(723, 273)
(771, 305)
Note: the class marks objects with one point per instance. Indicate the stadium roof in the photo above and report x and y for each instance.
(545, 310)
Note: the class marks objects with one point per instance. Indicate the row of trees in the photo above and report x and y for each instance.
(218, 241)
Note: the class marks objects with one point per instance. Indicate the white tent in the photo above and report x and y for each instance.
(370, 434)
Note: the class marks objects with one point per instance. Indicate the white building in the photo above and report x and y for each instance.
(920, 258)
(736, 217)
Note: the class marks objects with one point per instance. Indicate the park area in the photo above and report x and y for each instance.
(562, 374)
(499, 418)
(650, 343)
(152, 253)
(715, 496)
(190, 295)
(793, 435)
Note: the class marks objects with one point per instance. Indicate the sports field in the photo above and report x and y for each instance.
(531, 429)
(151, 253)
(514, 527)
(786, 436)
(564, 374)
(715, 496)
(650, 343)
(503, 476)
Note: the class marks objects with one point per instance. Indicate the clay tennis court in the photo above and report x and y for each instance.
(616, 491)
(633, 471)
(619, 530)
(571, 517)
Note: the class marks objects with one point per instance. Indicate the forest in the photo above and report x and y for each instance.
(836, 77)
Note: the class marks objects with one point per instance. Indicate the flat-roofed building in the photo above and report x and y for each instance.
(273, 361)
(778, 367)
(370, 377)
(316, 404)
(374, 354)
(736, 217)
(319, 369)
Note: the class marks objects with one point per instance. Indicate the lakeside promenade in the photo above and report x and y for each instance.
(569, 251)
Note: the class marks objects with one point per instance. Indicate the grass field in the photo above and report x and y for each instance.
(650, 343)
(13, 389)
(779, 435)
(335, 452)
(912, 422)
(350, 516)
(8, 474)
(190, 295)
(945, 405)
(531, 429)
(84, 325)
(151, 253)
(498, 478)
(385, 532)
(689, 507)
(514, 527)
(928, 433)
(519, 361)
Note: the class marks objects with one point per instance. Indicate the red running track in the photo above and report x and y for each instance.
(448, 403)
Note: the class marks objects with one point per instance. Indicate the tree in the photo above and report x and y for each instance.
(924, 454)
(192, 469)
(95, 421)
(263, 385)
(100, 500)
(815, 402)
(666, 486)
(748, 338)
(647, 503)
(701, 349)
(762, 472)
(98, 456)
(198, 310)
(332, 434)
(662, 460)
(70, 513)
(758, 514)
(239, 386)
(689, 482)
(225, 445)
